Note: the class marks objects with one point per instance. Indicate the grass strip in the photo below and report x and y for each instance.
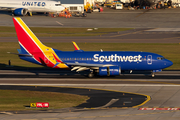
(12, 100)
(55, 32)
(168, 50)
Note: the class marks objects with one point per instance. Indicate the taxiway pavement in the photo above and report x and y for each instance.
(164, 89)
(163, 93)
(110, 18)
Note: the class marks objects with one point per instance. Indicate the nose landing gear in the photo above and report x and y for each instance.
(152, 75)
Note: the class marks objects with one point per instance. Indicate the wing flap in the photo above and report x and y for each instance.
(88, 65)
(85, 66)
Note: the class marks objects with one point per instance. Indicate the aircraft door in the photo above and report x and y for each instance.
(149, 59)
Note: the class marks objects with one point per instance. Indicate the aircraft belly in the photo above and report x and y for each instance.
(38, 10)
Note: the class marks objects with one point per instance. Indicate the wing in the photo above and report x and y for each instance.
(85, 66)
(7, 8)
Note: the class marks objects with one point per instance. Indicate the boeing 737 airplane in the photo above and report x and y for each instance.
(102, 63)
(22, 7)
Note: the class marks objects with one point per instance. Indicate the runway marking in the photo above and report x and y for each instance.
(172, 30)
(105, 116)
(159, 108)
(90, 117)
(141, 13)
(126, 34)
(50, 119)
(171, 38)
(124, 115)
(59, 23)
(29, 119)
(98, 85)
(158, 82)
(96, 79)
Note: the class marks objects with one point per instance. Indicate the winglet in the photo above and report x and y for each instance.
(75, 46)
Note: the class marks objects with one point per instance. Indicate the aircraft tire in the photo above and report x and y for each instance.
(90, 75)
(152, 75)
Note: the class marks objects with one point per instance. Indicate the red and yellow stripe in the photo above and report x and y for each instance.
(31, 43)
(76, 46)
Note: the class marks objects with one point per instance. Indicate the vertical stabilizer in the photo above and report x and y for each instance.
(31, 45)
(27, 40)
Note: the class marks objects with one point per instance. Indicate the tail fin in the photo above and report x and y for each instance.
(30, 45)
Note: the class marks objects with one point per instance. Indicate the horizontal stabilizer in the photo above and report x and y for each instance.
(21, 54)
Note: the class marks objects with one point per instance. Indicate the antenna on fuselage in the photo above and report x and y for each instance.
(101, 50)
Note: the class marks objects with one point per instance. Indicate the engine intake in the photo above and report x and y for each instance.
(109, 71)
(20, 11)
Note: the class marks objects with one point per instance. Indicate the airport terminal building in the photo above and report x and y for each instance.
(76, 5)
(73, 5)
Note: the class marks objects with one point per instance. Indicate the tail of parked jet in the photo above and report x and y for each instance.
(32, 47)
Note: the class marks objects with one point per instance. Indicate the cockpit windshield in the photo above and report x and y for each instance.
(57, 4)
(160, 58)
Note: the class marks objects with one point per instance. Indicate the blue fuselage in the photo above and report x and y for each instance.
(125, 60)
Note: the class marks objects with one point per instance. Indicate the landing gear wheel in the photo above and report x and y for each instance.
(152, 75)
(90, 75)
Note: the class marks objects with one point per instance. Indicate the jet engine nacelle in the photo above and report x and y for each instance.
(108, 71)
(20, 11)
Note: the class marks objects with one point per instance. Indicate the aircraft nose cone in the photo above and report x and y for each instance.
(168, 63)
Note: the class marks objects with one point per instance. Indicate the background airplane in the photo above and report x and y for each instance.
(23, 7)
(102, 63)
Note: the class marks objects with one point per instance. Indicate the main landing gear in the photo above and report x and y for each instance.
(90, 75)
(152, 75)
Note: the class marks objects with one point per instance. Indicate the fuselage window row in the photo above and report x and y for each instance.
(102, 59)
(77, 59)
